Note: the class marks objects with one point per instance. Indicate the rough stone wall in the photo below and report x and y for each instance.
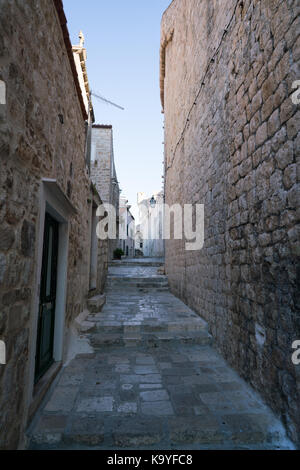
(102, 265)
(35, 144)
(102, 251)
(232, 143)
(115, 201)
(103, 172)
(101, 165)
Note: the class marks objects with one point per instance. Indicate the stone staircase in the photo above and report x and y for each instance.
(159, 283)
(136, 274)
(131, 327)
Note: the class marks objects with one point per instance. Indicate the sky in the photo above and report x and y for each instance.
(122, 39)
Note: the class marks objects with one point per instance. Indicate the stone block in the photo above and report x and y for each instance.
(293, 125)
(157, 408)
(145, 369)
(290, 176)
(138, 433)
(149, 378)
(273, 123)
(7, 237)
(95, 405)
(154, 395)
(3, 266)
(250, 428)
(205, 429)
(261, 134)
(128, 408)
(86, 431)
(62, 399)
(285, 155)
(95, 304)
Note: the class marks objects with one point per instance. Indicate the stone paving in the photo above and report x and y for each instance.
(153, 381)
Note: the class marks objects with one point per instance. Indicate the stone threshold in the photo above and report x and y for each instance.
(41, 388)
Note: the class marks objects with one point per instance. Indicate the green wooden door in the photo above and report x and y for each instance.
(45, 334)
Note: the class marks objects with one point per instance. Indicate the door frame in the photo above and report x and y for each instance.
(93, 274)
(40, 366)
(54, 201)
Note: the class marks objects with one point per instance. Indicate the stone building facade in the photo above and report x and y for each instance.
(47, 207)
(127, 228)
(103, 172)
(139, 241)
(151, 223)
(232, 143)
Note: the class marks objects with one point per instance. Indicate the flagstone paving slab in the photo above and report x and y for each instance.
(156, 395)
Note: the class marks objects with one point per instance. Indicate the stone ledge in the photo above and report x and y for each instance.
(96, 303)
(82, 324)
(41, 388)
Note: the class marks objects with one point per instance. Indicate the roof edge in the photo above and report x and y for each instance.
(166, 36)
(58, 4)
(165, 11)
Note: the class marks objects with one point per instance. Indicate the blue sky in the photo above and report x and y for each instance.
(122, 40)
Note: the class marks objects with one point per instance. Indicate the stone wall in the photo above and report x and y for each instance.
(115, 201)
(103, 172)
(232, 143)
(102, 265)
(42, 135)
(102, 251)
(101, 165)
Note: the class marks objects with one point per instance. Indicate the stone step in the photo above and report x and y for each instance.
(95, 304)
(133, 288)
(153, 339)
(198, 432)
(134, 279)
(124, 285)
(122, 398)
(152, 284)
(146, 264)
(172, 327)
(160, 281)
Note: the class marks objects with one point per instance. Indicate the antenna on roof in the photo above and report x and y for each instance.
(106, 101)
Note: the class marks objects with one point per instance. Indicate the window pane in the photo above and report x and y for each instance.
(49, 262)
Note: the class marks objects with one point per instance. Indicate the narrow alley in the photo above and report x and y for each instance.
(154, 379)
(150, 226)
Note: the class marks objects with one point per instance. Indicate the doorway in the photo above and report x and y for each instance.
(47, 304)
